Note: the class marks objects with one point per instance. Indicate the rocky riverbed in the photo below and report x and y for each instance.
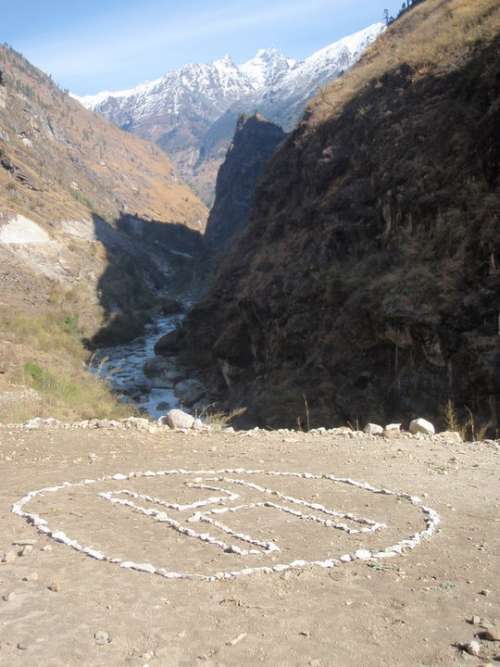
(152, 383)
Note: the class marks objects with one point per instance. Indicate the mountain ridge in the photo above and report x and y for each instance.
(365, 286)
(177, 111)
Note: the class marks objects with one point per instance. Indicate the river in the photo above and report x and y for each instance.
(122, 366)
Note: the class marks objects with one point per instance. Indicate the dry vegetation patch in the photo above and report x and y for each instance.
(433, 37)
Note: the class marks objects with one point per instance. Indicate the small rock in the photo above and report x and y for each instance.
(26, 550)
(339, 430)
(179, 419)
(9, 557)
(47, 547)
(157, 366)
(171, 306)
(102, 638)
(475, 620)
(24, 543)
(167, 345)
(393, 427)
(138, 423)
(373, 429)
(54, 587)
(237, 639)
(422, 426)
(22, 646)
(485, 592)
(7, 597)
(33, 576)
(392, 431)
(472, 648)
(492, 633)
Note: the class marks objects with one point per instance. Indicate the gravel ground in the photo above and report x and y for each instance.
(61, 607)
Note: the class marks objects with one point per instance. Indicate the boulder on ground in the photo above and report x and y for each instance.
(156, 366)
(171, 307)
(421, 426)
(373, 429)
(178, 419)
(161, 372)
(168, 345)
(392, 431)
(189, 391)
(393, 427)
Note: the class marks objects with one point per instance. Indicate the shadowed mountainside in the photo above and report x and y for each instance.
(146, 260)
(254, 143)
(368, 281)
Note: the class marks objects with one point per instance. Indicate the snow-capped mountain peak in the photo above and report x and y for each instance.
(191, 112)
(347, 49)
(266, 67)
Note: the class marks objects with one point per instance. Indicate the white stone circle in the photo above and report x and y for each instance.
(330, 519)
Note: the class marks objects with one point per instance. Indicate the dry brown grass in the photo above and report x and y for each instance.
(432, 38)
(78, 162)
(43, 351)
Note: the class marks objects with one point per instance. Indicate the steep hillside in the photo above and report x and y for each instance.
(254, 143)
(368, 282)
(186, 109)
(88, 216)
(60, 161)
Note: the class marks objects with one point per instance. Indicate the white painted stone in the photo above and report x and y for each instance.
(393, 427)
(373, 429)
(473, 647)
(421, 426)
(179, 419)
(431, 519)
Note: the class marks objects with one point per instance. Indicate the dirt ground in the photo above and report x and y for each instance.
(61, 607)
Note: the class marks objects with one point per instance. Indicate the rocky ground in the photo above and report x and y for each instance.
(59, 606)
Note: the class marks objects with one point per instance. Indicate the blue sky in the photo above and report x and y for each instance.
(93, 45)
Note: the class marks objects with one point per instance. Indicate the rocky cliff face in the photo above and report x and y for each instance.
(254, 143)
(191, 113)
(368, 281)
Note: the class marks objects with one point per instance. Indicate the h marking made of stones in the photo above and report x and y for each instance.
(209, 513)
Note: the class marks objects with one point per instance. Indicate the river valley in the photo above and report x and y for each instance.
(122, 367)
